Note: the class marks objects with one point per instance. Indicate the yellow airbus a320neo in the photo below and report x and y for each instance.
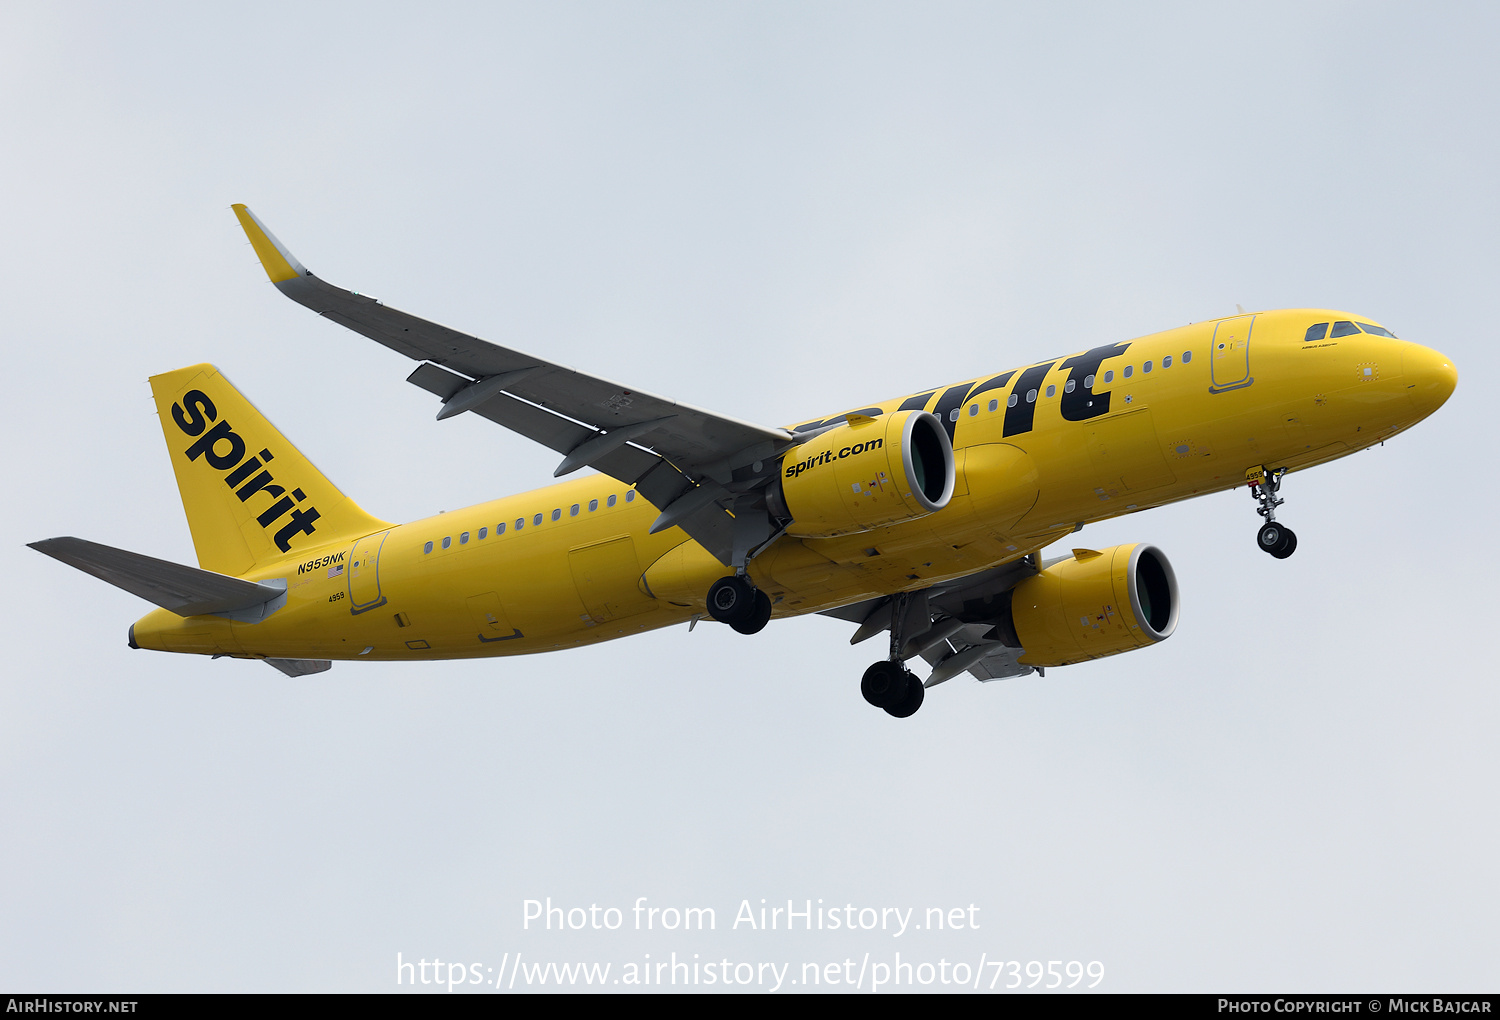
(924, 515)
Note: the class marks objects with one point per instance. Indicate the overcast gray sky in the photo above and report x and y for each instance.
(777, 211)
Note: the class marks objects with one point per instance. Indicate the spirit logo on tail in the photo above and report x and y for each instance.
(239, 470)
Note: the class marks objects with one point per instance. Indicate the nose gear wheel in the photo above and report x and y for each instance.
(1276, 539)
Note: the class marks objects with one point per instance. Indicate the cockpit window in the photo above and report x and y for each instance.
(1317, 332)
(1343, 328)
(1378, 330)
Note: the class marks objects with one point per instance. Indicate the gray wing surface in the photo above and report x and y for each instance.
(682, 458)
(186, 591)
(950, 625)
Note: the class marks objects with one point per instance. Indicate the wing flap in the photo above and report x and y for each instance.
(301, 667)
(951, 625)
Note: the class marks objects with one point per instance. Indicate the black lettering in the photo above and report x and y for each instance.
(1080, 404)
(204, 447)
(277, 508)
(200, 412)
(991, 384)
(301, 521)
(951, 398)
(1020, 416)
(260, 481)
(242, 472)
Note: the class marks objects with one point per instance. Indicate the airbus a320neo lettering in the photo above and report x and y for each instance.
(922, 517)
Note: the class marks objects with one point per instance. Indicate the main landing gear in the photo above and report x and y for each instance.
(1276, 539)
(737, 602)
(889, 684)
(893, 687)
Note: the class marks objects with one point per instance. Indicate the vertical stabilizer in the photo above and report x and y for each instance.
(250, 496)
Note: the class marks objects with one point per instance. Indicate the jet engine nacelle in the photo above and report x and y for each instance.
(866, 474)
(1093, 604)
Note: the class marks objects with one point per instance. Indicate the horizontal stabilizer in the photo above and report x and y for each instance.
(186, 591)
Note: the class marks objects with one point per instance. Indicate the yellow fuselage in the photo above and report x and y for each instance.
(1189, 411)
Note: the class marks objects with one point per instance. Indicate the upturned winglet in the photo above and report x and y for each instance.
(280, 265)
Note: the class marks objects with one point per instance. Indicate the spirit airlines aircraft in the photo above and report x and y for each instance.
(923, 516)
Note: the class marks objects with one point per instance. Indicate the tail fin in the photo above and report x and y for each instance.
(250, 496)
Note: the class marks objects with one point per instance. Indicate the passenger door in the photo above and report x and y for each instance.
(364, 574)
(1229, 354)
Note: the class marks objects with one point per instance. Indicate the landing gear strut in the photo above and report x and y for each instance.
(737, 602)
(888, 684)
(1276, 539)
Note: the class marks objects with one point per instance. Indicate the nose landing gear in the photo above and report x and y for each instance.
(1276, 539)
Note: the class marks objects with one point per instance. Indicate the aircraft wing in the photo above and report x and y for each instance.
(690, 463)
(951, 625)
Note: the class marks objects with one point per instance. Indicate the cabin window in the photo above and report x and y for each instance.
(1377, 330)
(1088, 382)
(1129, 371)
(1342, 328)
(611, 500)
(593, 505)
(484, 533)
(1166, 362)
(1187, 356)
(463, 539)
(427, 548)
(1051, 391)
(1013, 401)
(953, 415)
(973, 410)
(1031, 396)
(1070, 386)
(630, 496)
(500, 528)
(536, 521)
(994, 406)
(557, 514)
(447, 541)
(520, 523)
(573, 511)
(1109, 376)
(1146, 367)
(1317, 332)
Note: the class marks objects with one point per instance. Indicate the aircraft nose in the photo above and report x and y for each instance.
(1430, 377)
